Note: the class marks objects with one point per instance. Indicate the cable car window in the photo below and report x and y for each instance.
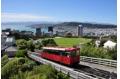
(44, 50)
(56, 52)
(65, 53)
(73, 53)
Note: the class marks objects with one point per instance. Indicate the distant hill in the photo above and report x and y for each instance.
(89, 25)
(46, 24)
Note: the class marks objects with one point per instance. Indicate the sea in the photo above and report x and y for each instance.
(21, 27)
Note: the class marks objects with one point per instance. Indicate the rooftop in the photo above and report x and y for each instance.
(59, 48)
(11, 48)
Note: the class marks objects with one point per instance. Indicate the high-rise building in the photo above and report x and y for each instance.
(38, 31)
(50, 29)
(80, 30)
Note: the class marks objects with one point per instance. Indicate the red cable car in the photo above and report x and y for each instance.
(67, 56)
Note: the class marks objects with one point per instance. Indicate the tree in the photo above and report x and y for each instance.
(40, 72)
(51, 42)
(44, 42)
(68, 35)
(38, 45)
(30, 45)
(48, 42)
(91, 43)
(24, 68)
(4, 60)
(21, 44)
(113, 52)
(11, 67)
(95, 52)
(21, 53)
(102, 42)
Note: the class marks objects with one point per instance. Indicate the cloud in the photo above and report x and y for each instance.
(18, 17)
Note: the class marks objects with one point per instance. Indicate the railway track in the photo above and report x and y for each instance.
(100, 74)
(93, 72)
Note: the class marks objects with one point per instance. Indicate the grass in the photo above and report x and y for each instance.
(69, 42)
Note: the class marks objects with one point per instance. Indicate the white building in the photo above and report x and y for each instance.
(10, 41)
(109, 44)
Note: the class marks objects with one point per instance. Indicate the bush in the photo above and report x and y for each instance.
(91, 51)
(38, 45)
(30, 45)
(91, 43)
(68, 35)
(23, 68)
(49, 42)
(17, 66)
(113, 53)
(28, 65)
(21, 53)
(40, 72)
(60, 75)
(4, 60)
(102, 42)
(11, 67)
(21, 44)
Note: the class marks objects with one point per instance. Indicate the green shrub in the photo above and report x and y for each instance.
(4, 60)
(113, 53)
(24, 68)
(21, 44)
(11, 67)
(49, 42)
(21, 53)
(28, 65)
(30, 45)
(68, 35)
(95, 52)
(38, 45)
(60, 75)
(40, 72)
(102, 41)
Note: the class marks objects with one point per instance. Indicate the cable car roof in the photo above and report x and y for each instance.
(59, 48)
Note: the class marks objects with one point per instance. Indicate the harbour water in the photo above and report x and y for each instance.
(21, 27)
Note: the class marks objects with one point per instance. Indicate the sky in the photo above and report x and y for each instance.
(98, 11)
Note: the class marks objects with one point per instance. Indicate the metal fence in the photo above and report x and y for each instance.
(106, 62)
(73, 74)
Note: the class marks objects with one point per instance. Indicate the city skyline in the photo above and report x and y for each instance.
(99, 11)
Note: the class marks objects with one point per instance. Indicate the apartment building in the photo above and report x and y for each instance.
(84, 29)
(99, 31)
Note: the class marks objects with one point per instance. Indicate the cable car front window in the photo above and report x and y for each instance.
(74, 53)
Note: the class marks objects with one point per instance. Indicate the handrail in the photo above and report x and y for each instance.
(73, 74)
(106, 62)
